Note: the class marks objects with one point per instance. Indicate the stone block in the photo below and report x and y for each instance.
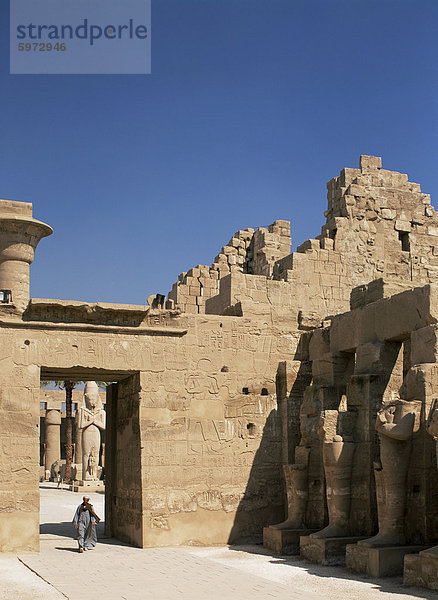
(327, 243)
(378, 562)
(328, 551)
(403, 226)
(324, 396)
(308, 320)
(87, 486)
(424, 345)
(370, 163)
(195, 272)
(365, 390)
(376, 357)
(396, 317)
(329, 369)
(344, 332)
(421, 570)
(284, 541)
(309, 245)
(388, 214)
(319, 343)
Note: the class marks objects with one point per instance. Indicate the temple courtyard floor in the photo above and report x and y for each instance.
(117, 571)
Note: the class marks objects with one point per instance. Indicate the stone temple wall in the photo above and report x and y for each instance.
(198, 443)
(198, 437)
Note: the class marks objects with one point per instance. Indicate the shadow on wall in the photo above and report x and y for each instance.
(263, 499)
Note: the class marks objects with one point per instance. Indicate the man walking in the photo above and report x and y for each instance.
(85, 520)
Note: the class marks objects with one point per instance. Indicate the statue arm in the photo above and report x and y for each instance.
(397, 431)
(100, 419)
(85, 418)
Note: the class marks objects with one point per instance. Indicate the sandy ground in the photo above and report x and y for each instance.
(117, 571)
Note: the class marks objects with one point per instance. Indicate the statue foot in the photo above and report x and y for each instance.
(385, 539)
(332, 531)
(290, 524)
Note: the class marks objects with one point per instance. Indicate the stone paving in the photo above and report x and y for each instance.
(116, 571)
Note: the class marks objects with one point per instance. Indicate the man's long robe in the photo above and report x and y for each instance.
(86, 523)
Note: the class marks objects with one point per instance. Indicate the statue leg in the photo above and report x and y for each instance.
(297, 494)
(338, 462)
(391, 493)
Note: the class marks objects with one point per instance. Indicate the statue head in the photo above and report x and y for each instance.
(91, 395)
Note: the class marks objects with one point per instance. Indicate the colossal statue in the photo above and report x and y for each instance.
(91, 419)
(395, 426)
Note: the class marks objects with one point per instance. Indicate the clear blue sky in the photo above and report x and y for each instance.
(252, 105)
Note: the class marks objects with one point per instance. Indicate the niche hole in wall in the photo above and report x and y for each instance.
(403, 236)
(245, 390)
(252, 429)
(264, 392)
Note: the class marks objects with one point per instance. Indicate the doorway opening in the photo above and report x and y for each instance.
(89, 445)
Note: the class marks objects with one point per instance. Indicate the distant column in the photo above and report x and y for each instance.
(53, 438)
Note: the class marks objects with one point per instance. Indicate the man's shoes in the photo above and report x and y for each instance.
(81, 550)
(85, 549)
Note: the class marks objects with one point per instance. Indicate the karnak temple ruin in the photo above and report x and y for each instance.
(289, 398)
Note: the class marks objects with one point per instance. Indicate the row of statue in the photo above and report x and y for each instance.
(395, 425)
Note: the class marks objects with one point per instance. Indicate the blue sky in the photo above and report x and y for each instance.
(251, 107)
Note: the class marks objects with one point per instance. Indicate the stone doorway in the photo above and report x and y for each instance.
(123, 506)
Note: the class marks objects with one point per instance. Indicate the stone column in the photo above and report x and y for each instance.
(78, 444)
(20, 235)
(53, 438)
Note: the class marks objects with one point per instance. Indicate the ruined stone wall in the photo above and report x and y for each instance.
(208, 445)
(378, 225)
(199, 436)
(248, 251)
